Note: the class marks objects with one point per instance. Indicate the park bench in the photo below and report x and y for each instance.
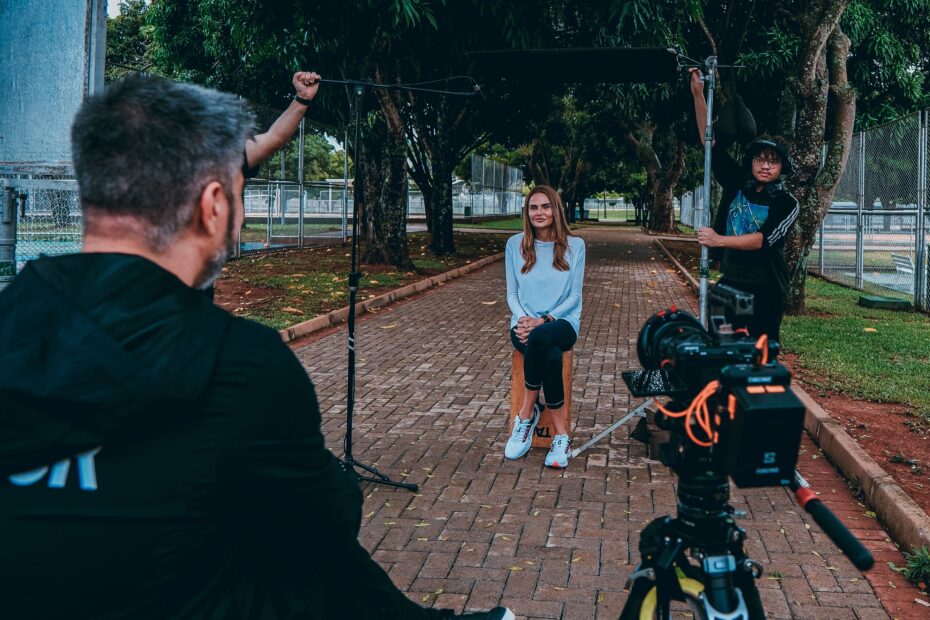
(904, 273)
(903, 265)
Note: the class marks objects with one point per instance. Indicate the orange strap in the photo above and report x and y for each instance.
(762, 346)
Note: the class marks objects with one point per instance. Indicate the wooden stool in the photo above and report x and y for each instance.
(542, 438)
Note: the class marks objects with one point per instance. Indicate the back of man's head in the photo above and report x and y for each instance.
(146, 147)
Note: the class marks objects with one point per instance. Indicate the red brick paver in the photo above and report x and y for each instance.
(432, 400)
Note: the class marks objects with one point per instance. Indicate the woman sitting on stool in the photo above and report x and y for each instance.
(545, 272)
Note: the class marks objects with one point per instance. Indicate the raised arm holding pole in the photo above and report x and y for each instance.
(704, 114)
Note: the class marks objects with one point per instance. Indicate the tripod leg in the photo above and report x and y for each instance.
(653, 598)
(747, 585)
(639, 411)
(634, 602)
(377, 477)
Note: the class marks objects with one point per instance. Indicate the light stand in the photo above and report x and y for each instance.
(704, 211)
(368, 473)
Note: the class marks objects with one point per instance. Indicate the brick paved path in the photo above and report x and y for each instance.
(432, 402)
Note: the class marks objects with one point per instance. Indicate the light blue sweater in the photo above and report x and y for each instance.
(545, 289)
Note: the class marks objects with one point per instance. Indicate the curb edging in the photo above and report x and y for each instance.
(340, 315)
(907, 523)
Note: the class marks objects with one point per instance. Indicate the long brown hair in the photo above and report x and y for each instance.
(559, 228)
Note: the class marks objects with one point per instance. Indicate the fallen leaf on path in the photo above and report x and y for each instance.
(290, 310)
(489, 303)
(391, 326)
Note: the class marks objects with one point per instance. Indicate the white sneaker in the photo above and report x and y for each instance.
(522, 436)
(558, 453)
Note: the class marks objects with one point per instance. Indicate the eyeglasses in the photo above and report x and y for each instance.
(762, 161)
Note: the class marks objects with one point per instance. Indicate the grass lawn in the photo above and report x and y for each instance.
(871, 354)
(511, 223)
(259, 232)
(284, 288)
(516, 224)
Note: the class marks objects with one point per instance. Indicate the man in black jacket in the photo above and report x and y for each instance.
(160, 458)
(755, 215)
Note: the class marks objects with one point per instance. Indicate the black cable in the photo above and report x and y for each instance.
(403, 87)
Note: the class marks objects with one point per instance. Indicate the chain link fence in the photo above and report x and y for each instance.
(46, 212)
(874, 236)
(496, 188)
(691, 204)
(609, 209)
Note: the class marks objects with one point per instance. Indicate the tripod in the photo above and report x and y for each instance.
(723, 586)
(368, 473)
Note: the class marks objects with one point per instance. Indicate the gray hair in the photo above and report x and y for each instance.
(146, 147)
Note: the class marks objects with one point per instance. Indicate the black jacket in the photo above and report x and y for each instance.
(158, 457)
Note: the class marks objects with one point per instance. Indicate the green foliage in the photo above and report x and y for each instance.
(772, 58)
(129, 39)
(917, 569)
(321, 160)
(889, 59)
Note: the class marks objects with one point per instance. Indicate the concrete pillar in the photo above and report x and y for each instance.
(51, 58)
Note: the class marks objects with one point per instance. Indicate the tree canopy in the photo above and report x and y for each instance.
(808, 69)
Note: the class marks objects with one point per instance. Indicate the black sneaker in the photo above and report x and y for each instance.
(498, 613)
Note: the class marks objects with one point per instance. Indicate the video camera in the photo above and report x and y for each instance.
(732, 409)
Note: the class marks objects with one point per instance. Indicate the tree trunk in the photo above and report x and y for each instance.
(662, 181)
(538, 163)
(823, 87)
(386, 200)
(432, 169)
(442, 242)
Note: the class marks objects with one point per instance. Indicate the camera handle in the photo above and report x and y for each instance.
(831, 525)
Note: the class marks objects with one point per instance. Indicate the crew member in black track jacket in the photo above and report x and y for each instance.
(160, 458)
(755, 215)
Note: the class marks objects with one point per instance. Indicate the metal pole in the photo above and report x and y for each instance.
(821, 245)
(860, 245)
(300, 184)
(823, 161)
(701, 216)
(270, 207)
(8, 238)
(920, 271)
(345, 186)
(280, 198)
(354, 278)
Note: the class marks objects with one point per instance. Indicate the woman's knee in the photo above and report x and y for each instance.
(554, 356)
(538, 340)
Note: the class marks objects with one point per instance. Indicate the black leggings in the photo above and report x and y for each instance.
(542, 358)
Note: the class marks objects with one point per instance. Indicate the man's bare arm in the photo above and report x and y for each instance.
(260, 148)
